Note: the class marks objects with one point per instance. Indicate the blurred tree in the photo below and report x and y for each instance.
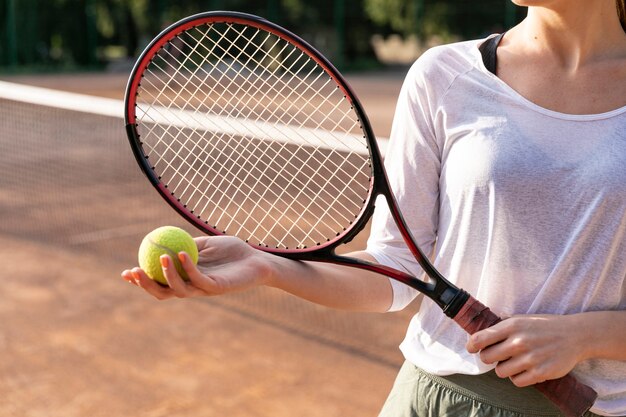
(81, 33)
(399, 16)
(446, 19)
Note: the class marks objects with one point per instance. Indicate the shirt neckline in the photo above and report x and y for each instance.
(530, 104)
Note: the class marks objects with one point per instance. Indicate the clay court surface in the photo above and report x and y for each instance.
(75, 340)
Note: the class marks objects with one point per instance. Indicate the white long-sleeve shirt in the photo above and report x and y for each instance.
(521, 206)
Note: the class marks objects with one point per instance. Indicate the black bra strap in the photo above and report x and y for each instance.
(488, 52)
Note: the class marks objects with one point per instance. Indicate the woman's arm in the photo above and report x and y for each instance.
(227, 264)
(535, 348)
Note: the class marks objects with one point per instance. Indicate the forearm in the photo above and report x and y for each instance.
(331, 285)
(603, 334)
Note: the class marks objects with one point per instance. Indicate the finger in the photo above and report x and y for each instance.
(497, 352)
(525, 378)
(127, 275)
(512, 368)
(197, 278)
(529, 368)
(152, 287)
(484, 338)
(174, 280)
(187, 263)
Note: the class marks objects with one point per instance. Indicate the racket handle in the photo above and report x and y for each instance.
(567, 393)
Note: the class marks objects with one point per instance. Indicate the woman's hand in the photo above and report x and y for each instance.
(531, 349)
(225, 264)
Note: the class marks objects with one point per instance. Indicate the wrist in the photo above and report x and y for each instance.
(276, 269)
(581, 335)
(600, 334)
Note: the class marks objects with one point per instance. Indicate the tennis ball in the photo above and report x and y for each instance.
(167, 240)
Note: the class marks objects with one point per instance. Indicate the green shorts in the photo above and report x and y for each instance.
(418, 394)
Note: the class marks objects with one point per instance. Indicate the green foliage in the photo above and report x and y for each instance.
(91, 33)
(443, 19)
(399, 15)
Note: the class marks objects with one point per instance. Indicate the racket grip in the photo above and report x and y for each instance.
(571, 396)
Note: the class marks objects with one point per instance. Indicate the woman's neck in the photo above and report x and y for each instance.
(572, 33)
(571, 60)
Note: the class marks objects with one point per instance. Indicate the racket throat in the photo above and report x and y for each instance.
(450, 299)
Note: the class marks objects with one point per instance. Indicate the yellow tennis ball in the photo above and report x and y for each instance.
(167, 240)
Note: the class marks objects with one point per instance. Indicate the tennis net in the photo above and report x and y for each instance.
(69, 179)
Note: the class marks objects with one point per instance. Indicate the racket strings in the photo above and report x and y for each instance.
(307, 208)
(301, 96)
(289, 121)
(267, 88)
(284, 193)
(248, 196)
(298, 161)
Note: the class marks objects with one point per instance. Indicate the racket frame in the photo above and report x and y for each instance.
(446, 295)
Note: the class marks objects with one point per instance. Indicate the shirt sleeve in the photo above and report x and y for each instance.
(413, 165)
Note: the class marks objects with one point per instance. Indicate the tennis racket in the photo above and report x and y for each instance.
(246, 130)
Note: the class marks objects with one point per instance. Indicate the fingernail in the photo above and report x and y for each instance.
(182, 256)
(136, 278)
(165, 261)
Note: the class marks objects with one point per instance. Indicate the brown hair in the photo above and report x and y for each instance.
(621, 12)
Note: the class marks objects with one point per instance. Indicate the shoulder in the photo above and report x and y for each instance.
(462, 53)
(439, 66)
